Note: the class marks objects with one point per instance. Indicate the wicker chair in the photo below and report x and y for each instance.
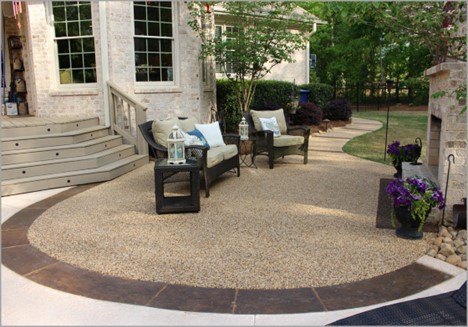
(297, 138)
(200, 152)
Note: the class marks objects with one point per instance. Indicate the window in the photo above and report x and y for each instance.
(153, 41)
(221, 31)
(74, 40)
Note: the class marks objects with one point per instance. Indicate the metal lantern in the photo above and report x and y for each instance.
(176, 146)
(243, 129)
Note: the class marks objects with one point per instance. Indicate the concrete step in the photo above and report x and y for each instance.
(62, 151)
(29, 126)
(53, 139)
(38, 168)
(83, 176)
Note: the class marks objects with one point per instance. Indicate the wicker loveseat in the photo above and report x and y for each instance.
(213, 161)
(290, 141)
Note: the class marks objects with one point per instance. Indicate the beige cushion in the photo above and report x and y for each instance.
(162, 128)
(188, 124)
(278, 114)
(215, 156)
(220, 153)
(288, 140)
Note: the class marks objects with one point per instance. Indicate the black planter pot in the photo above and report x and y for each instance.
(409, 226)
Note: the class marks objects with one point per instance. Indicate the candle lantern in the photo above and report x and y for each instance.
(176, 146)
(243, 129)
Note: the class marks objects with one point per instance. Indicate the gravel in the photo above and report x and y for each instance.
(293, 226)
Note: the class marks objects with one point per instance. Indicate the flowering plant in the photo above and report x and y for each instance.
(418, 193)
(400, 153)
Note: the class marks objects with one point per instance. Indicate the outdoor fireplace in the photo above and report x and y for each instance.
(446, 135)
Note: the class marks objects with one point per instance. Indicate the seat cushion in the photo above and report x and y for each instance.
(278, 114)
(220, 153)
(162, 128)
(288, 140)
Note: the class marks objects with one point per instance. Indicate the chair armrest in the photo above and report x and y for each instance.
(232, 139)
(299, 131)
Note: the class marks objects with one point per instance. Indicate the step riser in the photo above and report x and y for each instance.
(49, 128)
(60, 167)
(52, 154)
(73, 179)
(52, 141)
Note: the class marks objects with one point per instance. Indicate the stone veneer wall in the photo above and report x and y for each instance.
(189, 97)
(453, 138)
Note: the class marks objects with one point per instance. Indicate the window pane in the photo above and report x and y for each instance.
(72, 12)
(153, 29)
(59, 14)
(88, 44)
(86, 28)
(165, 4)
(60, 29)
(153, 60)
(78, 76)
(166, 30)
(64, 61)
(141, 75)
(85, 11)
(140, 28)
(155, 75)
(77, 60)
(62, 46)
(140, 44)
(65, 76)
(89, 60)
(166, 15)
(75, 45)
(153, 14)
(153, 45)
(90, 76)
(167, 60)
(166, 45)
(140, 59)
(139, 12)
(166, 74)
(73, 29)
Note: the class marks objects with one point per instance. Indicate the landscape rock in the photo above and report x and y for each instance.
(462, 264)
(441, 257)
(461, 249)
(453, 260)
(446, 249)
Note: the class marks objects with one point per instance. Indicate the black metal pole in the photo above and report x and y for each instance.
(386, 129)
(446, 183)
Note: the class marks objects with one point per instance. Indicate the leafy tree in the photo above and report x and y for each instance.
(261, 40)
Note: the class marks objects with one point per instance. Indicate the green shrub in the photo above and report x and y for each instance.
(268, 92)
(338, 109)
(308, 114)
(227, 103)
(320, 94)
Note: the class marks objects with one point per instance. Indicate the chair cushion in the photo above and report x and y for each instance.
(162, 128)
(212, 134)
(270, 124)
(288, 140)
(220, 153)
(187, 124)
(278, 114)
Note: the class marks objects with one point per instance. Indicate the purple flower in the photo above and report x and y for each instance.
(394, 148)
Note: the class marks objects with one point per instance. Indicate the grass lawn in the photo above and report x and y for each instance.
(404, 126)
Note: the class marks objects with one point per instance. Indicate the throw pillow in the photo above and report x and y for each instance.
(212, 133)
(161, 130)
(270, 124)
(278, 114)
(187, 124)
(191, 139)
(201, 139)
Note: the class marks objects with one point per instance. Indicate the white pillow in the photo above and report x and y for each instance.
(270, 124)
(191, 139)
(212, 134)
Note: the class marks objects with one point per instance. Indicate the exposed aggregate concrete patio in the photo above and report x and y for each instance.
(294, 226)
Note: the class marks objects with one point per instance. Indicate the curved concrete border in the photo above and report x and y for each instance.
(20, 256)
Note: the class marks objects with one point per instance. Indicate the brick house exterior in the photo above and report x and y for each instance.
(191, 93)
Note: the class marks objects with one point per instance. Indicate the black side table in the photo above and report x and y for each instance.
(166, 204)
(243, 149)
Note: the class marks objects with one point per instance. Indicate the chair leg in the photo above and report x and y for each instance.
(270, 161)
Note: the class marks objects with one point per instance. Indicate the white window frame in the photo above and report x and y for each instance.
(223, 30)
(75, 88)
(151, 85)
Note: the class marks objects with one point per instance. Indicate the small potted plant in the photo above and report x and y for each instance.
(401, 153)
(413, 200)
